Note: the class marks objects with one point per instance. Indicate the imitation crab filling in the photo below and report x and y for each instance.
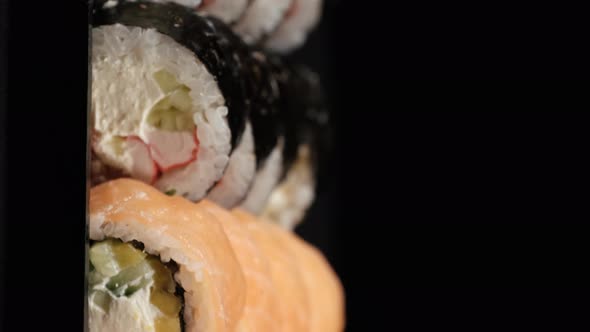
(158, 114)
(170, 139)
(130, 290)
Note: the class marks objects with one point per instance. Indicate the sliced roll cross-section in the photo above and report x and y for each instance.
(267, 129)
(299, 20)
(306, 133)
(159, 263)
(131, 290)
(261, 18)
(168, 102)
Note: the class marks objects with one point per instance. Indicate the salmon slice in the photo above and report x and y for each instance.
(285, 273)
(176, 229)
(261, 313)
(325, 292)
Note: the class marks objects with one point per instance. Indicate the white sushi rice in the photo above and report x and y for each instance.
(292, 33)
(265, 181)
(226, 10)
(124, 91)
(261, 18)
(238, 176)
(294, 195)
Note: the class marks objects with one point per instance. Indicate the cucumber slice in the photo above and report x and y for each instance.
(168, 120)
(181, 100)
(167, 303)
(127, 255)
(166, 81)
(173, 112)
(102, 258)
(163, 278)
(170, 117)
(119, 283)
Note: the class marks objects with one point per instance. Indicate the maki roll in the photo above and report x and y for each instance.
(159, 263)
(267, 129)
(301, 18)
(305, 113)
(237, 179)
(261, 18)
(168, 101)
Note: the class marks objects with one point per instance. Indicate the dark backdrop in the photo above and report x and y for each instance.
(454, 198)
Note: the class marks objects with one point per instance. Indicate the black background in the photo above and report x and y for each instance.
(452, 200)
(456, 195)
(44, 165)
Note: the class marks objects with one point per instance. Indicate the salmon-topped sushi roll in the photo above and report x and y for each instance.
(286, 274)
(159, 263)
(321, 284)
(261, 309)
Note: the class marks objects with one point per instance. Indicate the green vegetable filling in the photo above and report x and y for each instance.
(119, 269)
(174, 111)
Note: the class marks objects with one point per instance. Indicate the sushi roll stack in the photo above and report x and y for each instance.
(180, 102)
(204, 157)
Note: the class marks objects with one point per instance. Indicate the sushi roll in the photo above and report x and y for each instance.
(307, 116)
(285, 273)
(237, 179)
(301, 18)
(261, 18)
(169, 105)
(159, 263)
(268, 132)
(261, 309)
(325, 292)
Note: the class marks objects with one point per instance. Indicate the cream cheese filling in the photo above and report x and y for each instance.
(125, 314)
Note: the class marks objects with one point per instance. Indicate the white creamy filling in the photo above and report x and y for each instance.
(126, 314)
(128, 100)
